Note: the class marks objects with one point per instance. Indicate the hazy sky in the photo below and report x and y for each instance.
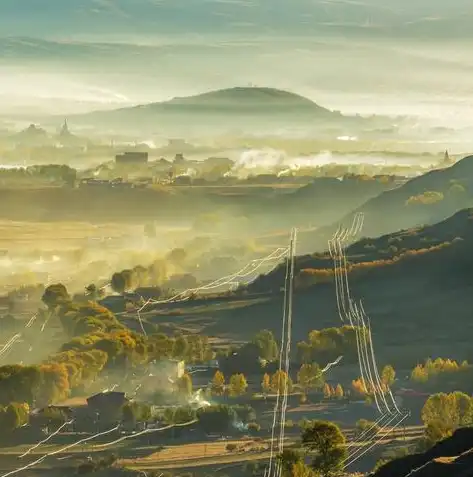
(385, 56)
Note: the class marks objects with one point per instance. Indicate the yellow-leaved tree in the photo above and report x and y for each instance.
(237, 385)
(218, 384)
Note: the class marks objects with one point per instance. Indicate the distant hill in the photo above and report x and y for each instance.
(424, 200)
(238, 108)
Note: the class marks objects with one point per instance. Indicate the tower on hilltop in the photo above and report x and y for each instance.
(65, 129)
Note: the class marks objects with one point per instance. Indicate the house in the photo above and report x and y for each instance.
(119, 303)
(132, 158)
(111, 399)
(167, 369)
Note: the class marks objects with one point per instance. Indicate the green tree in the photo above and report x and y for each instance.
(181, 347)
(55, 295)
(288, 458)
(325, 441)
(93, 293)
(123, 281)
(10, 418)
(218, 418)
(310, 377)
(388, 375)
(237, 385)
(266, 345)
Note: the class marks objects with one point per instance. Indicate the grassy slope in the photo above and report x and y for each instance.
(412, 302)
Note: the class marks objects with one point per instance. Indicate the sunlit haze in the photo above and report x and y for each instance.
(373, 57)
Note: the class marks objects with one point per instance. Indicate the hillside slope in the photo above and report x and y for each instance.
(408, 205)
(452, 457)
(407, 295)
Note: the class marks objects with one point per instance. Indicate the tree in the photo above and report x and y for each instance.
(419, 374)
(177, 256)
(326, 441)
(339, 392)
(10, 418)
(388, 375)
(280, 381)
(93, 293)
(359, 387)
(444, 413)
(133, 412)
(237, 385)
(123, 281)
(55, 295)
(218, 384)
(310, 377)
(266, 384)
(299, 469)
(216, 418)
(327, 391)
(266, 345)
(288, 458)
(181, 347)
(245, 413)
(363, 425)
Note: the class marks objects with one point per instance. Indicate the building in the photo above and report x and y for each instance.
(168, 368)
(132, 158)
(106, 400)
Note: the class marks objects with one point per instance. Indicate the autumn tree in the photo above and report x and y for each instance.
(280, 381)
(266, 384)
(237, 385)
(339, 392)
(327, 391)
(388, 375)
(325, 441)
(359, 387)
(218, 384)
(443, 413)
(299, 469)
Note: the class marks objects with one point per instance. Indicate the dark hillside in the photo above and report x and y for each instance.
(452, 457)
(426, 291)
(426, 199)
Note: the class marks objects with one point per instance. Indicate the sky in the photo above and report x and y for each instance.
(366, 56)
